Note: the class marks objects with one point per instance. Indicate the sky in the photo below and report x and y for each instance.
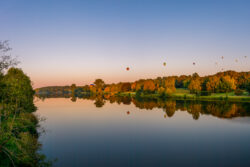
(60, 42)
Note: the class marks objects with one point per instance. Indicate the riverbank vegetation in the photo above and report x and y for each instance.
(19, 144)
(228, 85)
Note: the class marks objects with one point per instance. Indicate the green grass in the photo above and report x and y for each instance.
(185, 94)
(181, 90)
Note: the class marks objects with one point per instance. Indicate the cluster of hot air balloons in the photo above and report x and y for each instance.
(194, 63)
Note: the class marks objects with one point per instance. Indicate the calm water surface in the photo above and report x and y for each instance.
(89, 133)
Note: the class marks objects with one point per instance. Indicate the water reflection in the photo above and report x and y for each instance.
(220, 109)
(114, 131)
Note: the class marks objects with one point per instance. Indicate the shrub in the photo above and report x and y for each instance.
(205, 93)
(238, 92)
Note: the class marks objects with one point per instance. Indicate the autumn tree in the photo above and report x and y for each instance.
(92, 89)
(195, 85)
(161, 91)
(126, 87)
(107, 89)
(113, 88)
(226, 84)
(99, 83)
(133, 86)
(242, 80)
(149, 86)
(159, 82)
(86, 88)
(73, 88)
(170, 85)
(179, 82)
(212, 83)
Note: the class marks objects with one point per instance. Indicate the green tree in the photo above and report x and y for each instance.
(248, 86)
(18, 90)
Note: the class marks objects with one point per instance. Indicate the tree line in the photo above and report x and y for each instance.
(222, 82)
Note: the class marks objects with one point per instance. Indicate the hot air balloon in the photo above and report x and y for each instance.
(128, 112)
(127, 68)
(193, 63)
(164, 63)
(165, 115)
(245, 56)
(222, 57)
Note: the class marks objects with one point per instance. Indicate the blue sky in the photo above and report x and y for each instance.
(63, 42)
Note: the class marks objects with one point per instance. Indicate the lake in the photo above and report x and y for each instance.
(128, 132)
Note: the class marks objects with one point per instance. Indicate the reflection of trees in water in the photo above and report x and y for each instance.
(221, 109)
(170, 108)
(73, 98)
(99, 103)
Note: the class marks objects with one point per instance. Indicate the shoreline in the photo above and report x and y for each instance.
(188, 97)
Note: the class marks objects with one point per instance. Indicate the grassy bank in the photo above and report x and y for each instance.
(184, 94)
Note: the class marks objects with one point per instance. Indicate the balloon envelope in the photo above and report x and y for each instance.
(164, 63)
(127, 68)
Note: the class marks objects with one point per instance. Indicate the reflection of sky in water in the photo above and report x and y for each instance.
(244, 120)
(79, 134)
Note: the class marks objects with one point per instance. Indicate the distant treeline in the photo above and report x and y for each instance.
(221, 82)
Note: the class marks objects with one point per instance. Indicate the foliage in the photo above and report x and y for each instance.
(238, 92)
(19, 144)
(149, 86)
(170, 85)
(205, 93)
(222, 82)
(248, 87)
(99, 83)
(6, 60)
(195, 85)
(226, 84)
(125, 87)
(212, 83)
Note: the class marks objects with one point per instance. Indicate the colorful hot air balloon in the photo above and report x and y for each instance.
(127, 68)
(193, 63)
(164, 63)
(128, 112)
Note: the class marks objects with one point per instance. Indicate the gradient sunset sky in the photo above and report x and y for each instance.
(60, 42)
